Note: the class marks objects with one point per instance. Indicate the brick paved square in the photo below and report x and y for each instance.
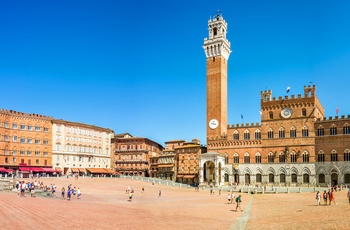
(105, 205)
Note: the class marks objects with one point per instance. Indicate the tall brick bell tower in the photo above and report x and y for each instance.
(217, 51)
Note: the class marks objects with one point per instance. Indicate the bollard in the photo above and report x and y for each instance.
(299, 190)
(287, 190)
(276, 191)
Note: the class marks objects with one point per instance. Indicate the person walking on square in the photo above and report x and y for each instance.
(325, 197)
(160, 193)
(333, 197)
(238, 201)
(349, 195)
(69, 194)
(232, 198)
(330, 197)
(318, 198)
(78, 193)
(63, 190)
(130, 196)
(229, 198)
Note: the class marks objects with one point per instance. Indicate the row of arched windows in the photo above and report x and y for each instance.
(282, 178)
(334, 156)
(292, 132)
(293, 156)
(333, 130)
(271, 157)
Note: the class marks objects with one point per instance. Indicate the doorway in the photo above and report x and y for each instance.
(334, 179)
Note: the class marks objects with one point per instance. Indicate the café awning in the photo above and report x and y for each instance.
(36, 169)
(24, 169)
(96, 170)
(109, 171)
(49, 170)
(189, 176)
(74, 170)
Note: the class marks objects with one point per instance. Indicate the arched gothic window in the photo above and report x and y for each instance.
(270, 134)
(346, 129)
(236, 158)
(320, 131)
(293, 157)
(305, 132)
(320, 156)
(333, 130)
(334, 155)
(235, 135)
(270, 157)
(246, 135)
(281, 133)
(258, 158)
(305, 157)
(246, 158)
(293, 132)
(257, 134)
(282, 157)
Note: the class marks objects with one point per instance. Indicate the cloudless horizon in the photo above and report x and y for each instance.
(139, 66)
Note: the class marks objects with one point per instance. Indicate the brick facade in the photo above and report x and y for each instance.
(25, 140)
(286, 147)
(135, 156)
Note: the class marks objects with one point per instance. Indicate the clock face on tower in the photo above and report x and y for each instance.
(286, 112)
(213, 123)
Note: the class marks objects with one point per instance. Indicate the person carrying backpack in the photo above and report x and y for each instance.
(325, 197)
(238, 201)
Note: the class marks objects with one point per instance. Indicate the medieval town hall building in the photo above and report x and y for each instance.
(293, 144)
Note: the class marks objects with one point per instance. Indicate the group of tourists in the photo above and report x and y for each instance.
(231, 200)
(30, 187)
(72, 192)
(328, 196)
(50, 190)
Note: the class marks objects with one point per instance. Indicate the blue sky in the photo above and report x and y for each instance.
(139, 67)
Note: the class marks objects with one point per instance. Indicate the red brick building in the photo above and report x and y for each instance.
(292, 144)
(132, 155)
(25, 142)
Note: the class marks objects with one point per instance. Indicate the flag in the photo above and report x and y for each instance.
(336, 110)
(242, 116)
(288, 89)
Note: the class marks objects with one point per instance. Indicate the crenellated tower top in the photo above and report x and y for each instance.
(217, 44)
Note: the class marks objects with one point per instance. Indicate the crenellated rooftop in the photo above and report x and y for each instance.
(335, 118)
(246, 125)
(30, 115)
(309, 92)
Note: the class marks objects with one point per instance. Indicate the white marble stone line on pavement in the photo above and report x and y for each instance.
(241, 222)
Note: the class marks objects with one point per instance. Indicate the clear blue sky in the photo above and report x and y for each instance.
(139, 67)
